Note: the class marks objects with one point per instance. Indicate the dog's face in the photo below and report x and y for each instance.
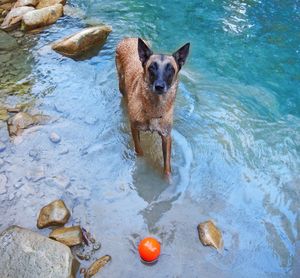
(161, 70)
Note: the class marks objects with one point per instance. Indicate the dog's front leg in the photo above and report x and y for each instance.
(136, 139)
(166, 148)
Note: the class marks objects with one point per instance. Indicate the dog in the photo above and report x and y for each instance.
(149, 83)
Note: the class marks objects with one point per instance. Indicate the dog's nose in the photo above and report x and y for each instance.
(159, 86)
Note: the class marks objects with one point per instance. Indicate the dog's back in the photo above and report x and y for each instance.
(128, 65)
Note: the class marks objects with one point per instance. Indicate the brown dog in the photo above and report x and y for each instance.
(149, 83)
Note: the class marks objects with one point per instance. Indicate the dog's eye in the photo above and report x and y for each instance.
(153, 67)
(169, 68)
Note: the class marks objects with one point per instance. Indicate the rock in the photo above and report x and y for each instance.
(3, 182)
(42, 17)
(22, 3)
(36, 174)
(53, 214)
(48, 3)
(23, 120)
(19, 122)
(27, 254)
(6, 1)
(14, 17)
(96, 266)
(54, 137)
(7, 6)
(210, 235)
(70, 236)
(2, 147)
(82, 41)
(7, 43)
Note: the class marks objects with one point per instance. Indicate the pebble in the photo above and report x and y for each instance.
(34, 154)
(2, 147)
(96, 246)
(3, 182)
(54, 137)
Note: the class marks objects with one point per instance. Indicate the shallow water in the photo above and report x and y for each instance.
(236, 139)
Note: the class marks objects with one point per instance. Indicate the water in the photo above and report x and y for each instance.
(236, 139)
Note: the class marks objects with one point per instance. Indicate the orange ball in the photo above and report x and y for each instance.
(149, 249)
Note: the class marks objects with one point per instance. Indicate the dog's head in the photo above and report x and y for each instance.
(161, 70)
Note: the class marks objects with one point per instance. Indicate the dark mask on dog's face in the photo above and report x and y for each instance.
(161, 70)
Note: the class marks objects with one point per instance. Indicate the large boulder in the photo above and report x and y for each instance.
(48, 3)
(14, 18)
(42, 17)
(22, 3)
(27, 254)
(81, 42)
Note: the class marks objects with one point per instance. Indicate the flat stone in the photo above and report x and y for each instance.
(42, 17)
(2, 147)
(79, 43)
(7, 42)
(48, 3)
(97, 266)
(53, 214)
(14, 17)
(54, 137)
(210, 235)
(3, 182)
(36, 174)
(70, 236)
(22, 3)
(28, 254)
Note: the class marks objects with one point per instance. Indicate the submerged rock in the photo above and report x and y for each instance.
(82, 41)
(2, 147)
(27, 254)
(22, 3)
(3, 182)
(42, 17)
(210, 235)
(53, 214)
(70, 236)
(7, 42)
(54, 137)
(48, 3)
(14, 18)
(96, 266)
(23, 120)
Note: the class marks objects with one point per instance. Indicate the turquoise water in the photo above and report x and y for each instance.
(236, 139)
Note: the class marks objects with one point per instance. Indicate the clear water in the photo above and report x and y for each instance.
(236, 139)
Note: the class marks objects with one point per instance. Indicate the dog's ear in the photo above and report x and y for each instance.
(144, 51)
(181, 54)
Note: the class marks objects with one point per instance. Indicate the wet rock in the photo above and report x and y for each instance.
(53, 214)
(7, 42)
(36, 174)
(59, 181)
(28, 254)
(3, 112)
(70, 236)
(3, 182)
(97, 266)
(16, 34)
(48, 3)
(23, 120)
(210, 235)
(82, 41)
(96, 246)
(22, 3)
(2, 147)
(54, 137)
(42, 17)
(14, 18)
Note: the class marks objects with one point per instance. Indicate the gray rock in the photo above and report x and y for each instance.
(2, 147)
(7, 42)
(54, 137)
(27, 254)
(3, 182)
